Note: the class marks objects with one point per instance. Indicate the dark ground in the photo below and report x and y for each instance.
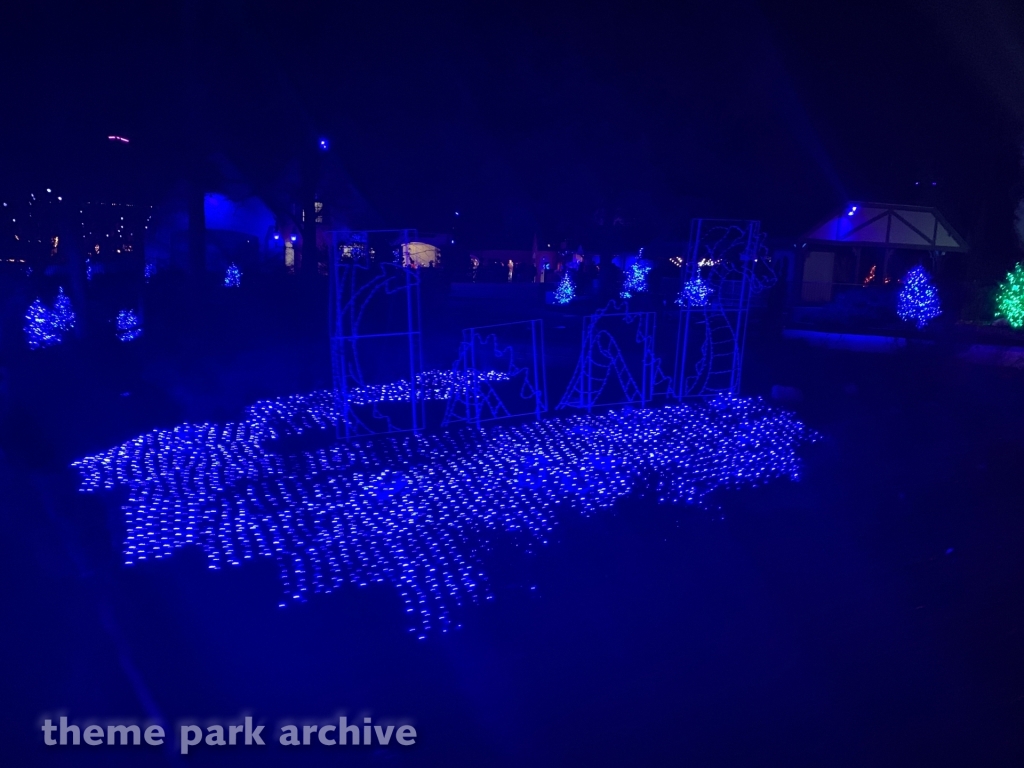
(872, 614)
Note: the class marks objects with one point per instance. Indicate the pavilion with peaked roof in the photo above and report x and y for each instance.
(872, 242)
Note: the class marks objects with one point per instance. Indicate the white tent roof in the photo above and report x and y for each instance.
(889, 226)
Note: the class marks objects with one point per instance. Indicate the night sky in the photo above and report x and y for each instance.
(535, 117)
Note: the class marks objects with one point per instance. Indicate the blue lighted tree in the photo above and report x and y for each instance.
(63, 315)
(636, 279)
(695, 293)
(565, 291)
(233, 276)
(918, 301)
(128, 326)
(41, 329)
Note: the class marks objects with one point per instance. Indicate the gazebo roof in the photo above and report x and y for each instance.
(889, 226)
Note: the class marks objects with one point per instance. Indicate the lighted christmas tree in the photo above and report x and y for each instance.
(63, 315)
(918, 301)
(1010, 298)
(636, 280)
(565, 291)
(41, 328)
(128, 326)
(695, 293)
(233, 276)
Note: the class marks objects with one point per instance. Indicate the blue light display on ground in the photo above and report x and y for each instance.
(296, 414)
(416, 511)
(430, 385)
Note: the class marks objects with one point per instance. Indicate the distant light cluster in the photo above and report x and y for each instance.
(417, 511)
(128, 326)
(232, 276)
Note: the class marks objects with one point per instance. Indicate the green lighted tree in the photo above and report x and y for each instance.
(1010, 298)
